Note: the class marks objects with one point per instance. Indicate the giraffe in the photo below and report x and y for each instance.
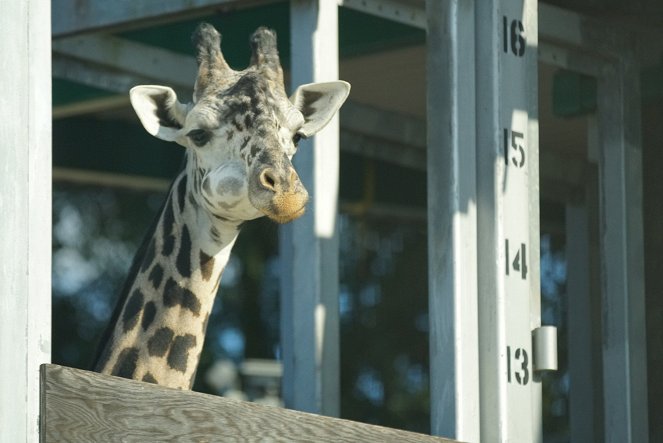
(240, 133)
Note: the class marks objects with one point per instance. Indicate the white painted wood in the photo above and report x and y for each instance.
(25, 208)
(309, 245)
(622, 253)
(508, 218)
(168, 67)
(78, 16)
(452, 223)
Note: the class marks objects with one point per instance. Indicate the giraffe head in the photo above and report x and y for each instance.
(241, 130)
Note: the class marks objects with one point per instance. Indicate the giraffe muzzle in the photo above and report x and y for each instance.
(282, 193)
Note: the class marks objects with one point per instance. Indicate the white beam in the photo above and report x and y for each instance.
(96, 76)
(80, 16)
(25, 208)
(452, 222)
(143, 60)
(309, 245)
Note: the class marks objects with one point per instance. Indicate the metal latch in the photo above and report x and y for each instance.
(544, 344)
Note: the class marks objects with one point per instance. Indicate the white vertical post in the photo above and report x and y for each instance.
(622, 255)
(309, 245)
(25, 213)
(508, 218)
(452, 246)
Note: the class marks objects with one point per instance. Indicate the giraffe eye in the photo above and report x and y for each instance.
(296, 138)
(199, 136)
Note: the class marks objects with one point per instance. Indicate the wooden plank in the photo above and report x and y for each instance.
(82, 406)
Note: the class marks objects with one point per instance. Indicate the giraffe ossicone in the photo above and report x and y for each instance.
(240, 133)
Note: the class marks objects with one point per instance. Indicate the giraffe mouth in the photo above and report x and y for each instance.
(283, 218)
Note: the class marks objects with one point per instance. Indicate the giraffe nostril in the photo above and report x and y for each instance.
(267, 180)
(293, 176)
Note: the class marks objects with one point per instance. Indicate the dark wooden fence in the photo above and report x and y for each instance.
(82, 406)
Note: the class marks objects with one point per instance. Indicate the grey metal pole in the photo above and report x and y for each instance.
(622, 254)
(309, 245)
(452, 235)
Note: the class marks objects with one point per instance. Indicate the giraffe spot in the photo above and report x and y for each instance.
(206, 265)
(255, 149)
(245, 142)
(149, 378)
(168, 221)
(181, 193)
(132, 310)
(174, 294)
(125, 366)
(248, 121)
(156, 276)
(149, 312)
(237, 125)
(159, 343)
(183, 262)
(179, 351)
(149, 256)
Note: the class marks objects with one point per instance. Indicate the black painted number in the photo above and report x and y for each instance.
(516, 141)
(517, 368)
(513, 35)
(519, 261)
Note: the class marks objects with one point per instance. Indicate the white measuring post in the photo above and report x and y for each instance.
(25, 208)
(508, 219)
(452, 234)
(309, 245)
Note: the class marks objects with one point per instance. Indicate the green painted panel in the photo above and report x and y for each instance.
(113, 146)
(66, 92)
(574, 94)
(652, 83)
(236, 27)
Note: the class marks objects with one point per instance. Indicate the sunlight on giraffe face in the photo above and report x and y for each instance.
(241, 140)
(241, 130)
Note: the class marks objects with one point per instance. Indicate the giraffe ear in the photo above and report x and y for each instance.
(158, 109)
(318, 102)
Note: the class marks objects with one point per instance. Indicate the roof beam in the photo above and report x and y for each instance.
(87, 16)
(407, 14)
(136, 58)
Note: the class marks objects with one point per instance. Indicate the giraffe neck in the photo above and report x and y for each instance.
(159, 332)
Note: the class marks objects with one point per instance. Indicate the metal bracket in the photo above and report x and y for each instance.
(544, 344)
